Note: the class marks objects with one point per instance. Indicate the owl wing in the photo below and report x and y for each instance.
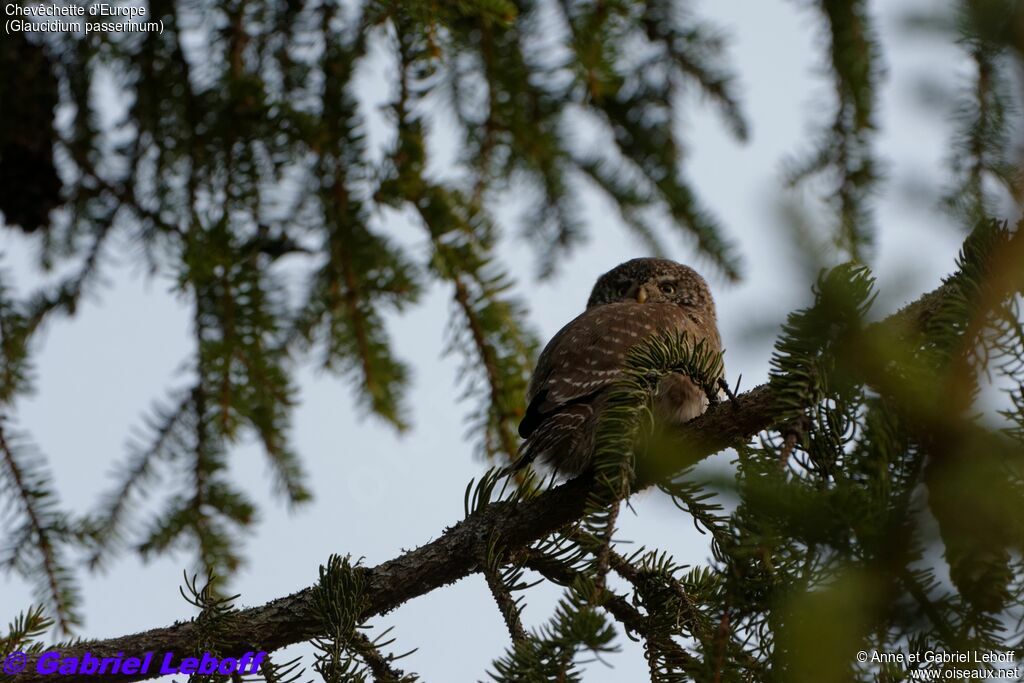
(589, 353)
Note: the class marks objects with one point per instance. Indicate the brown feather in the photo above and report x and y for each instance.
(586, 357)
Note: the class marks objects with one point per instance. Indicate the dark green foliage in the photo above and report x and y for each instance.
(813, 357)
(631, 80)
(625, 418)
(971, 468)
(23, 633)
(843, 152)
(338, 605)
(363, 274)
(983, 134)
(833, 510)
(882, 510)
(676, 602)
(216, 619)
(986, 113)
(550, 653)
(512, 92)
(15, 330)
(187, 444)
(582, 559)
(345, 654)
(37, 533)
(244, 164)
(986, 172)
(286, 672)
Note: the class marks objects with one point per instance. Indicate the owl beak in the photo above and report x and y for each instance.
(641, 295)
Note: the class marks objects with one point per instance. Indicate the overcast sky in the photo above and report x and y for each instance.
(376, 493)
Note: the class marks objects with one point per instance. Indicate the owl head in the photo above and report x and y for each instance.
(653, 281)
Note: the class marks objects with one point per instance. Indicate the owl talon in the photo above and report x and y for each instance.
(724, 386)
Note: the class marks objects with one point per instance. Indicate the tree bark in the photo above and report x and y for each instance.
(452, 556)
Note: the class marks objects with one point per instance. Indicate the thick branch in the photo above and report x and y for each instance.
(452, 556)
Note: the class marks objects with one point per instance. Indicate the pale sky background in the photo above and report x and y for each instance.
(376, 493)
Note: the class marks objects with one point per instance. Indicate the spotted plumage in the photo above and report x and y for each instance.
(633, 302)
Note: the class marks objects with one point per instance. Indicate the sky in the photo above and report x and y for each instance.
(377, 493)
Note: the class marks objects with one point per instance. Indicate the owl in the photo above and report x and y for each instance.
(632, 302)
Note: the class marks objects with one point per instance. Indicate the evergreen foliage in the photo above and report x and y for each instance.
(843, 152)
(345, 655)
(877, 508)
(550, 653)
(240, 160)
(37, 532)
(25, 632)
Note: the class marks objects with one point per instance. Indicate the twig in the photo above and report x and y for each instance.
(380, 665)
(454, 554)
(616, 605)
(724, 386)
(491, 569)
(792, 435)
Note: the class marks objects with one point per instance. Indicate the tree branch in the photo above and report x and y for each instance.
(630, 617)
(454, 554)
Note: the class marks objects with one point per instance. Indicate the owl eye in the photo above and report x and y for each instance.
(667, 288)
(623, 289)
